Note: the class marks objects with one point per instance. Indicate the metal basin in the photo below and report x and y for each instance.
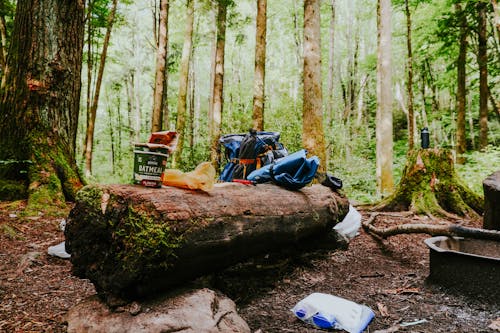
(469, 266)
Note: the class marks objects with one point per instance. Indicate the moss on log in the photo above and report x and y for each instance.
(132, 241)
(429, 185)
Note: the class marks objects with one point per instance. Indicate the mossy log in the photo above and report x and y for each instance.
(132, 241)
(429, 185)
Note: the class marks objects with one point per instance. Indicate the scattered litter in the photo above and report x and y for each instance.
(62, 224)
(327, 311)
(412, 323)
(350, 225)
(59, 250)
(12, 215)
(384, 312)
(495, 325)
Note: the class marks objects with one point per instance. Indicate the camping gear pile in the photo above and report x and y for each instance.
(259, 157)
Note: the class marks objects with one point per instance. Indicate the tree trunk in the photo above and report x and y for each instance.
(482, 60)
(491, 188)
(313, 137)
(496, 12)
(331, 64)
(3, 44)
(89, 136)
(218, 90)
(161, 70)
(411, 115)
(132, 241)
(461, 85)
(40, 104)
(183, 83)
(385, 182)
(429, 185)
(260, 66)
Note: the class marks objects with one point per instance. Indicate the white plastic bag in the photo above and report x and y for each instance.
(327, 311)
(350, 224)
(59, 250)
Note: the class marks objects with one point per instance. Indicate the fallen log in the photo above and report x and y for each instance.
(133, 241)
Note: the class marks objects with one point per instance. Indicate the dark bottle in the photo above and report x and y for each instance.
(424, 135)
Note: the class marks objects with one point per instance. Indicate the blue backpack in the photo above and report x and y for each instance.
(248, 152)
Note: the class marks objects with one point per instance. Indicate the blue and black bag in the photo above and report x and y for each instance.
(247, 152)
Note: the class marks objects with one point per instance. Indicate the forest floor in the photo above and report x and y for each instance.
(389, 276)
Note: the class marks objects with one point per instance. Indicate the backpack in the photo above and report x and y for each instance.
(247, 152)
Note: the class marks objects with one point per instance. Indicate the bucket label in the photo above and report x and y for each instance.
(148, 167)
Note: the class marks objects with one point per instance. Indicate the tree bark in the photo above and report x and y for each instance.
(385, 181)
(429, 185)
(411, 115)
(132, 241)
(491, 189)
(161, 70)
(461, 84)
(180, 127)
(40, 103)
(331, 63)
(313, 137)
(260, 66)
(218, 90)
(482, 60)
(89, 135)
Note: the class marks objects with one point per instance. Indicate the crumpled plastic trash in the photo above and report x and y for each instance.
(326, 311)
(350, 225)
(59, 250)
(201, 178)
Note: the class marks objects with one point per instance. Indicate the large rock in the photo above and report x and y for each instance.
(491, 188)
(195, 311)
(132, 241)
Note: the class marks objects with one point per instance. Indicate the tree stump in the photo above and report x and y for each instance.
(491, 188)
(429, 185)
(132, 241)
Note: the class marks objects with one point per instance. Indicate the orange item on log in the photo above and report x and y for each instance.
(201, 178)
(167, 138)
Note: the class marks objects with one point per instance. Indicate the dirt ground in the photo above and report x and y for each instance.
(36, 290)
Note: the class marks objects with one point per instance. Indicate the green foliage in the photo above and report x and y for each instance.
(478, 166)
(351, 145)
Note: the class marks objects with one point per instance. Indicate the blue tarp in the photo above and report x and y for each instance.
(293, 171)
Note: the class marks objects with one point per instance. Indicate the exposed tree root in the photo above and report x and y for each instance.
(452, 230)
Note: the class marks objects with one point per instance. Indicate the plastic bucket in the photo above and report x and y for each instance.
(149, 164)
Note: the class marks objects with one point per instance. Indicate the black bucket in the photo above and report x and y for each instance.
(149, 164)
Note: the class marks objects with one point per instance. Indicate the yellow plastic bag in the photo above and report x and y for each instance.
(201, 178)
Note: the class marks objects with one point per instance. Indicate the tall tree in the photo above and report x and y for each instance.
(260, 65)
(218, 88)
(159, 114)
(331, 60)
(496, 13)
(40, 103)
(461, 82)
(385, 182)
(91, 114)
(183, 81)
(482, 60)
(409, 83)
(313, 137)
